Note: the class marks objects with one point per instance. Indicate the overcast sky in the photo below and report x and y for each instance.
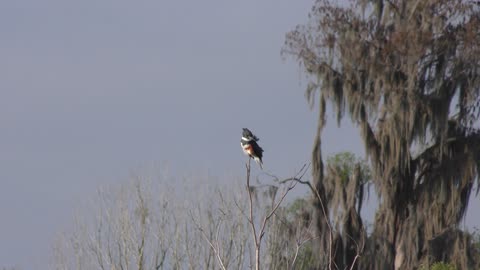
(91, 90)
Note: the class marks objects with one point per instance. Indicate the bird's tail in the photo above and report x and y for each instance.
(259, 162)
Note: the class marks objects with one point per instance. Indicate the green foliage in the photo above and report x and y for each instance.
(345, 162)
(439, 266)
(406, 74)
(306, 259)
(295, 207)
(297, 221)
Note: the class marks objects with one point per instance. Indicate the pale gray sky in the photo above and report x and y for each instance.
(90, 90)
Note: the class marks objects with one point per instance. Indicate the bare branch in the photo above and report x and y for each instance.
(214, 248)
(258, 235)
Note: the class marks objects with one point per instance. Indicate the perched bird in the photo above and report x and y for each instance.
(250, 146)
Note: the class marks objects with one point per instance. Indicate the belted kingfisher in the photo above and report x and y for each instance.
(250, 146)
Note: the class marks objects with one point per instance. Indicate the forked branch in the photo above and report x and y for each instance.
(258, 235)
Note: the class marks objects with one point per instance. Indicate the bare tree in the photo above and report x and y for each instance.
(259, 232)
(148, 224)
(128, 230)
(407, 74)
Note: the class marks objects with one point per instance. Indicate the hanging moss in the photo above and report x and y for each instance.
(406, 73)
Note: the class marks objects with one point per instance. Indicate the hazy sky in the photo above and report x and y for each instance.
(90, 90)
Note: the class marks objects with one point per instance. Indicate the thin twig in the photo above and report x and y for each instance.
(358, 251)
(297, 249)
(215, 249)
(327, 219)
(257, 237)
(275, 209)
